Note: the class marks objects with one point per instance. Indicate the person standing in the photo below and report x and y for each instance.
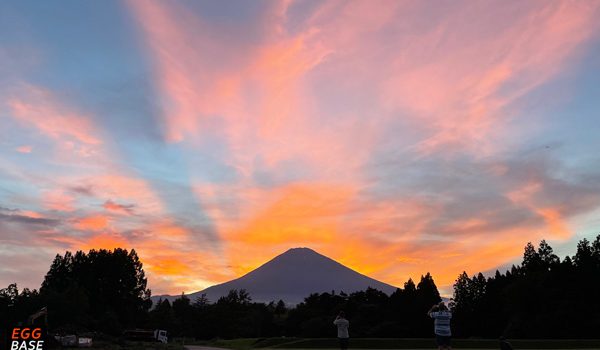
(441, 324)
(342, 330)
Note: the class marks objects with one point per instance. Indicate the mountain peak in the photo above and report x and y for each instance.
(300, 250)
(301, 257)
(294, 275)
(298, 272)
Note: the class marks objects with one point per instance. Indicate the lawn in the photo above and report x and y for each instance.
(396, 343)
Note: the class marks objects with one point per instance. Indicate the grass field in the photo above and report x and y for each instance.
(393, 343)
(111, 344)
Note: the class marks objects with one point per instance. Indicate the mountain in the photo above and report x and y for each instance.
(292, 276)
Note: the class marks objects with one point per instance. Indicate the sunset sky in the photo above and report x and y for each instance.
(396, 137)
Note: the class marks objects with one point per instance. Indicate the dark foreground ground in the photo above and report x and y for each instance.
(391, 343)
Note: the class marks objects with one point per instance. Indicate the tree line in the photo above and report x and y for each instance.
(102, 290)
(543, 297)
(372, 313)
(106, 291)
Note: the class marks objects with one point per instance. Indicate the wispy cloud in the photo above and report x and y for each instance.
(395, 137)
(123, 208)
(24, 149)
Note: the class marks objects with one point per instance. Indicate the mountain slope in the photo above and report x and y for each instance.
(292, 276)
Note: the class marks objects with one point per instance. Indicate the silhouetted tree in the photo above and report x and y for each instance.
(548, 259)
(101, 289)
(531, 259)
(162, 316)
(15, 306)
(544, 297)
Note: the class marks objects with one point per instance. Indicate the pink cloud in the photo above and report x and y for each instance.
(24, 149)
(116, 207)
(58, 200)
(323, 91)
(484, 60)
(38, 108)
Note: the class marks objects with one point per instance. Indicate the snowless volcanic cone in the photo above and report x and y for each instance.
(292, 276)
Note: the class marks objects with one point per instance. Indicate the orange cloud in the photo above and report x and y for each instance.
(557, 225)
(294, 215)
(555, 222)
(92, 223)
(293, 96)
(104, 241)
(298, 212)
(168, 266)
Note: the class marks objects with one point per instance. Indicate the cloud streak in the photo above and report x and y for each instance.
(395, 137)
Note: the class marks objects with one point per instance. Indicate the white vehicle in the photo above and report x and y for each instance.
(161, 336)
(67, 340)
(84, 342)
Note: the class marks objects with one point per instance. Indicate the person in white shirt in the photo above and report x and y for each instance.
(442, 317)
(342, 329)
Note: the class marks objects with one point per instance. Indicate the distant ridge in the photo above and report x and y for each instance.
(292, 276)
